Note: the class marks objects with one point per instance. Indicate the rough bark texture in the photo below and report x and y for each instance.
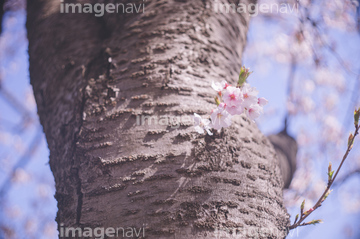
(110, 171)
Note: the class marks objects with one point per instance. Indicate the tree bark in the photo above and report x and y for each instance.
(94, 80)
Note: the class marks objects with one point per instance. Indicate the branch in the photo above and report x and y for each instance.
(304, 215)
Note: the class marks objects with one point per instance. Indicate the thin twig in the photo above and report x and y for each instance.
(303, 215)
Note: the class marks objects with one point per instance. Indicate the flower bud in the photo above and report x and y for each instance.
(356, 117)
(309, 211)
(351, 141)
(244, 74)
(330, 172)
(313, 222)
(217, 101)
(296, 218)
(302, 207)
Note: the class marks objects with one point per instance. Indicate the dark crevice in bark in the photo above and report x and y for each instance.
(76, 174)
(204, 2)
(102, 59)
(105, 31)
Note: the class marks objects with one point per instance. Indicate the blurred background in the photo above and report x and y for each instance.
(305, 62)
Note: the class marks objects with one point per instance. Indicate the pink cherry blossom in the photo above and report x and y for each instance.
(218, 87)
(235, 110)
(249, 95)
(233, 96)
(253, 111)
(231, 101)
(262, 101)
(220, 117)
(202, 124)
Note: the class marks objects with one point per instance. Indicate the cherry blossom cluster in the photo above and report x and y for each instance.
(230, 101)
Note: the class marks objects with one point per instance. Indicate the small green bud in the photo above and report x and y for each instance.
(356, 117)
(244, 74)
(351, 141)
(314, 222)
(296, 218)
(302, 207)
(217, 101)
(330, 172)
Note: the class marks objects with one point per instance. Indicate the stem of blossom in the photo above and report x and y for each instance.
(313, 222)
(303, 216)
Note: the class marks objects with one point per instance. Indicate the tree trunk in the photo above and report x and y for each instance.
(96, 79)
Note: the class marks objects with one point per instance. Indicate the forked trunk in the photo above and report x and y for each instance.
(112, 94)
